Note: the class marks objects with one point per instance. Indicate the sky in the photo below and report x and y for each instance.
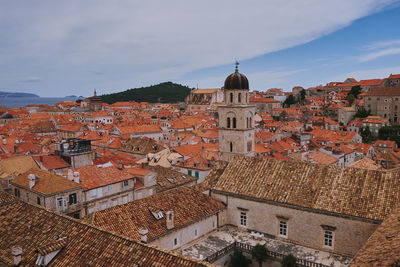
(59, 48)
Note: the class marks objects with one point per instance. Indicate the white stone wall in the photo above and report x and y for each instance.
(187, 234)
(304, 227)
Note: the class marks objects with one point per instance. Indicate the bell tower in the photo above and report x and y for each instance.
(236, 125)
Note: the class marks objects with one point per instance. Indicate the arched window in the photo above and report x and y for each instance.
(240, 97)
(246, 97)
(234, 123)
(231, 97)
(250, 122)
(228, 123)
(231, 146)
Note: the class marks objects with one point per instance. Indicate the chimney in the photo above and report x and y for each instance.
(31, 178)
(143, 234)
(76, 177)
(70, 175)
(16, 251)
(120, 166)
(170, 219)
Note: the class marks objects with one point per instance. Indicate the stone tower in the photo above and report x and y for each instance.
(236, 125)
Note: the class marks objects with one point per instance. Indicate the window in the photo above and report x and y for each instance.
(60, 202)
(175, 241)
(90, 210)
(16, 192)
(125, 183)
(195, 232)
(196, 174)
(283, 228)
(231, 147)
(103, 205)
(150, 191)
(231, 97)
(189, 172)
(243, 218)
(228, 123)
(73, 199)
(234, 123)
(38, 200)
(240, 97)
(249, 146)
(125, 199)
(213, 225)
(27, 196)
(328, 239)
(114, 202)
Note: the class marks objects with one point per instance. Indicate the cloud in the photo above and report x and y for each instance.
(379, 54)
(136, 40)
(30, 79)
(382, 49)
(382, 44)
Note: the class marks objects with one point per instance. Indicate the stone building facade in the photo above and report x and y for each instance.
(311, 205)
(384, 102)
(236, 123)
(204, 99)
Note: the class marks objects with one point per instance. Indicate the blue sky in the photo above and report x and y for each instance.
(58, 48)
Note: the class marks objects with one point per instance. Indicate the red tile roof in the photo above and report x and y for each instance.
(93, 176)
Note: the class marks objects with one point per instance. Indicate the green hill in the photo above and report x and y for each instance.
(167, 92)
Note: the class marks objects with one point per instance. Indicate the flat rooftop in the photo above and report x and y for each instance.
(209, 244)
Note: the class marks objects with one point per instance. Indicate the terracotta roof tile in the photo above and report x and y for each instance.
(320, 187)
(188, 205)
(383, 247)
(93, 176)
(46, 182)
(32, 227)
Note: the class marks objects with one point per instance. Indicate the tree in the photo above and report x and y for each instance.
(362, 113)
(290, 100)
(366, 135)
(390, 133)
(237, 259)
(355, 91)
(302, 96)
(259, 253)
(289, 261)
(351, 99)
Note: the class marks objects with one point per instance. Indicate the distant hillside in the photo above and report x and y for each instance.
(11, 94)
(167, 92)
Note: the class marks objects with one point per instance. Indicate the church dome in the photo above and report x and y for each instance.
(236, 81)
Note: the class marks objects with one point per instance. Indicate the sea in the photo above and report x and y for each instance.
(12, 102)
